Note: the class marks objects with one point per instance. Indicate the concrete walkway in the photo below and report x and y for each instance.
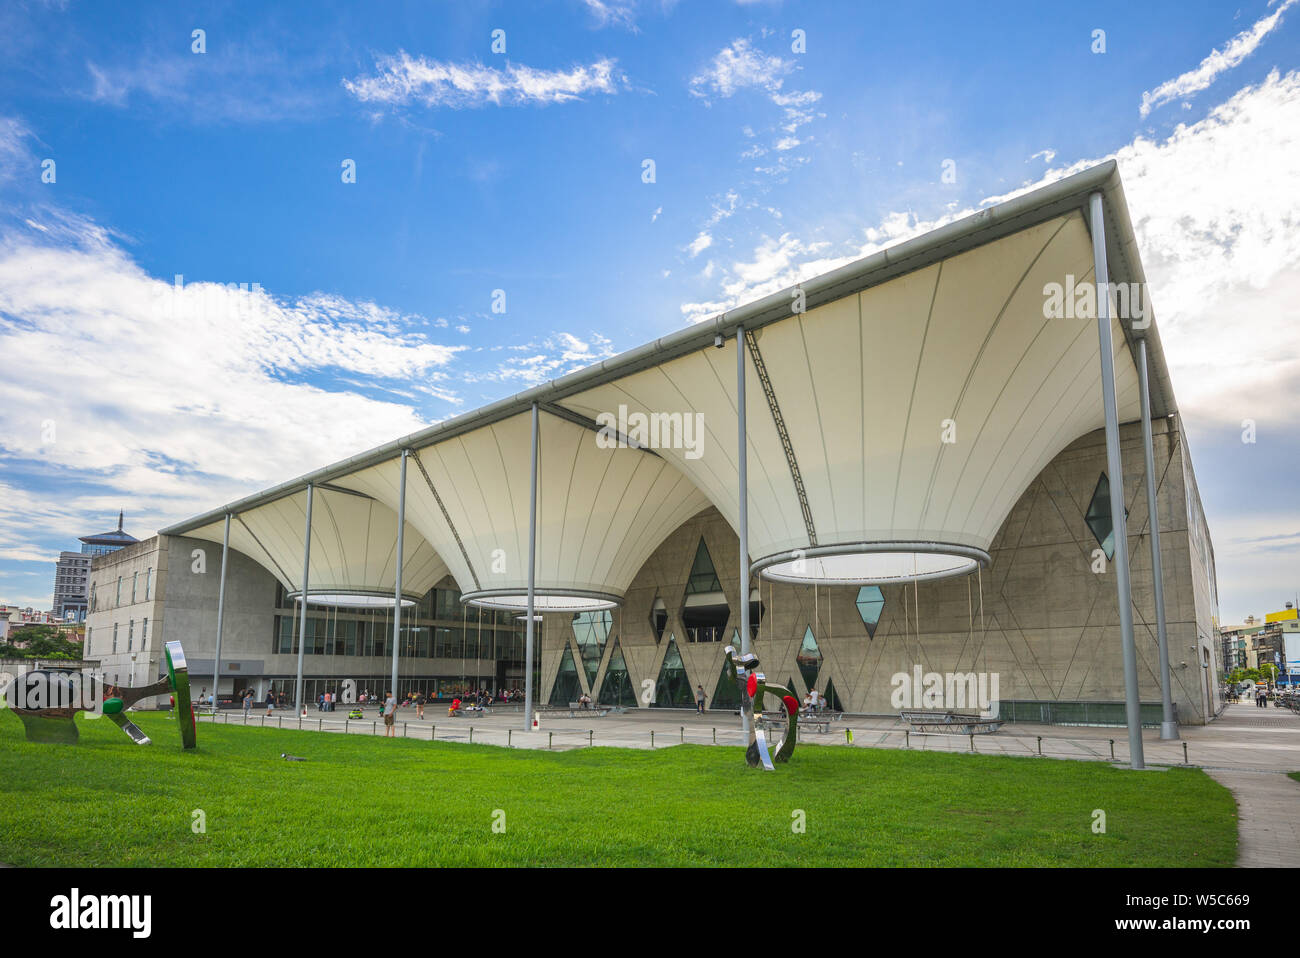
(1268, 817)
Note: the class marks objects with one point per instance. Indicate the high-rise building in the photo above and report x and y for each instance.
(72, 572)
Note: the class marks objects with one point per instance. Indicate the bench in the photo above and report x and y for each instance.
(949, 723)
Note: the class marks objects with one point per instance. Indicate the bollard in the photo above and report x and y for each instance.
(1040, 745)
(471, 735)
(907, 738)
(972, 741)
(683, 734)
(510, 734)
(318, 725)
(1112, 750)
(549, 737)
(345, 728)
(652, 738)
(590, 733)
(374, 728)
(1184, 753)
(715, 736)
(433, 732)
(280, 719)
(403, 730)
(299, 723)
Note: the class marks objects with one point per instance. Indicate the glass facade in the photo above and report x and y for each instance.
(444, 647)
(673, 690)
(567, 688)
(617, 687)
(592, 632)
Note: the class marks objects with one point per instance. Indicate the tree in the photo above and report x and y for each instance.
(39, 642)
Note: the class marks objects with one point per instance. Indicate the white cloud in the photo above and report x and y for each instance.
(401, 79)
(738, 67)
(176, 400)
(1219, 61)
(1216, 222)
(621, 13)
(700, 244)
(557, 355)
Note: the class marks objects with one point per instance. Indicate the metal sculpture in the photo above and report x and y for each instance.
(48, 700)
(753, 688)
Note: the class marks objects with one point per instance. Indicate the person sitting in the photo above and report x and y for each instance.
(584, 701)
(454, 707)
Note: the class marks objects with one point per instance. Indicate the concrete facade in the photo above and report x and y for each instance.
(1050, 625)
(1043, 617)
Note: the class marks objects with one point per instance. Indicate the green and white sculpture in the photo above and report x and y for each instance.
(753, 688)
(48, 700)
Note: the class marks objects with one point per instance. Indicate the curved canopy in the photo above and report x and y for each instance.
(891, 424)
(915, 411)
(353, 547)
(601, 511)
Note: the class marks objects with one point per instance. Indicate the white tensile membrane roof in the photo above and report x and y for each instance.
(353, 548)
(601, 511)
(917, 411)
(891, 427)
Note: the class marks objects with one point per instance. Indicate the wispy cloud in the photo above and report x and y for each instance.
(401, 79)
(556, 355)
(740, 67)
(1219, 61)
(617, 13)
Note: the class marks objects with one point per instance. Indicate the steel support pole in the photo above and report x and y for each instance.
(742, 494)
(1115, 472)
(221, 612)
(397, 592)
(302, 618)
(1168, 726)
(532, 581)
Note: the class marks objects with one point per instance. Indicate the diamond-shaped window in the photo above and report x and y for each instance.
(1098, 517)
(658, 618)
(871, 602)
(809, 659)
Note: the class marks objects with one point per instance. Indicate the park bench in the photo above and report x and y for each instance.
(948, 722)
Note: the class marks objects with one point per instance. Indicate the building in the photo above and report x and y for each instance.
(927, 484)
(72, 572)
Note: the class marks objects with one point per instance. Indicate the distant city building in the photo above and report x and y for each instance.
(72, 573)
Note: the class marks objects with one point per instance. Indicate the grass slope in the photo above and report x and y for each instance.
(370, 801)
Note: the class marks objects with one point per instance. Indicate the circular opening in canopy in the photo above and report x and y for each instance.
(544, 600)
(872, 563)
(352, 600)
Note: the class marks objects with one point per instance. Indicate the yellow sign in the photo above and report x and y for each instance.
(1282, 616)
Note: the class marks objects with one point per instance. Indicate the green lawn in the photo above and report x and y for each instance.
(374, 801)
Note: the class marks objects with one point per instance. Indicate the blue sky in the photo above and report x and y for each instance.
(370, 304)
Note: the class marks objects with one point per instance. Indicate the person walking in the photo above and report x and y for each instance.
(419, 706)
(390, 715)
(248, 701)
(270, 701)
(699, 699)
